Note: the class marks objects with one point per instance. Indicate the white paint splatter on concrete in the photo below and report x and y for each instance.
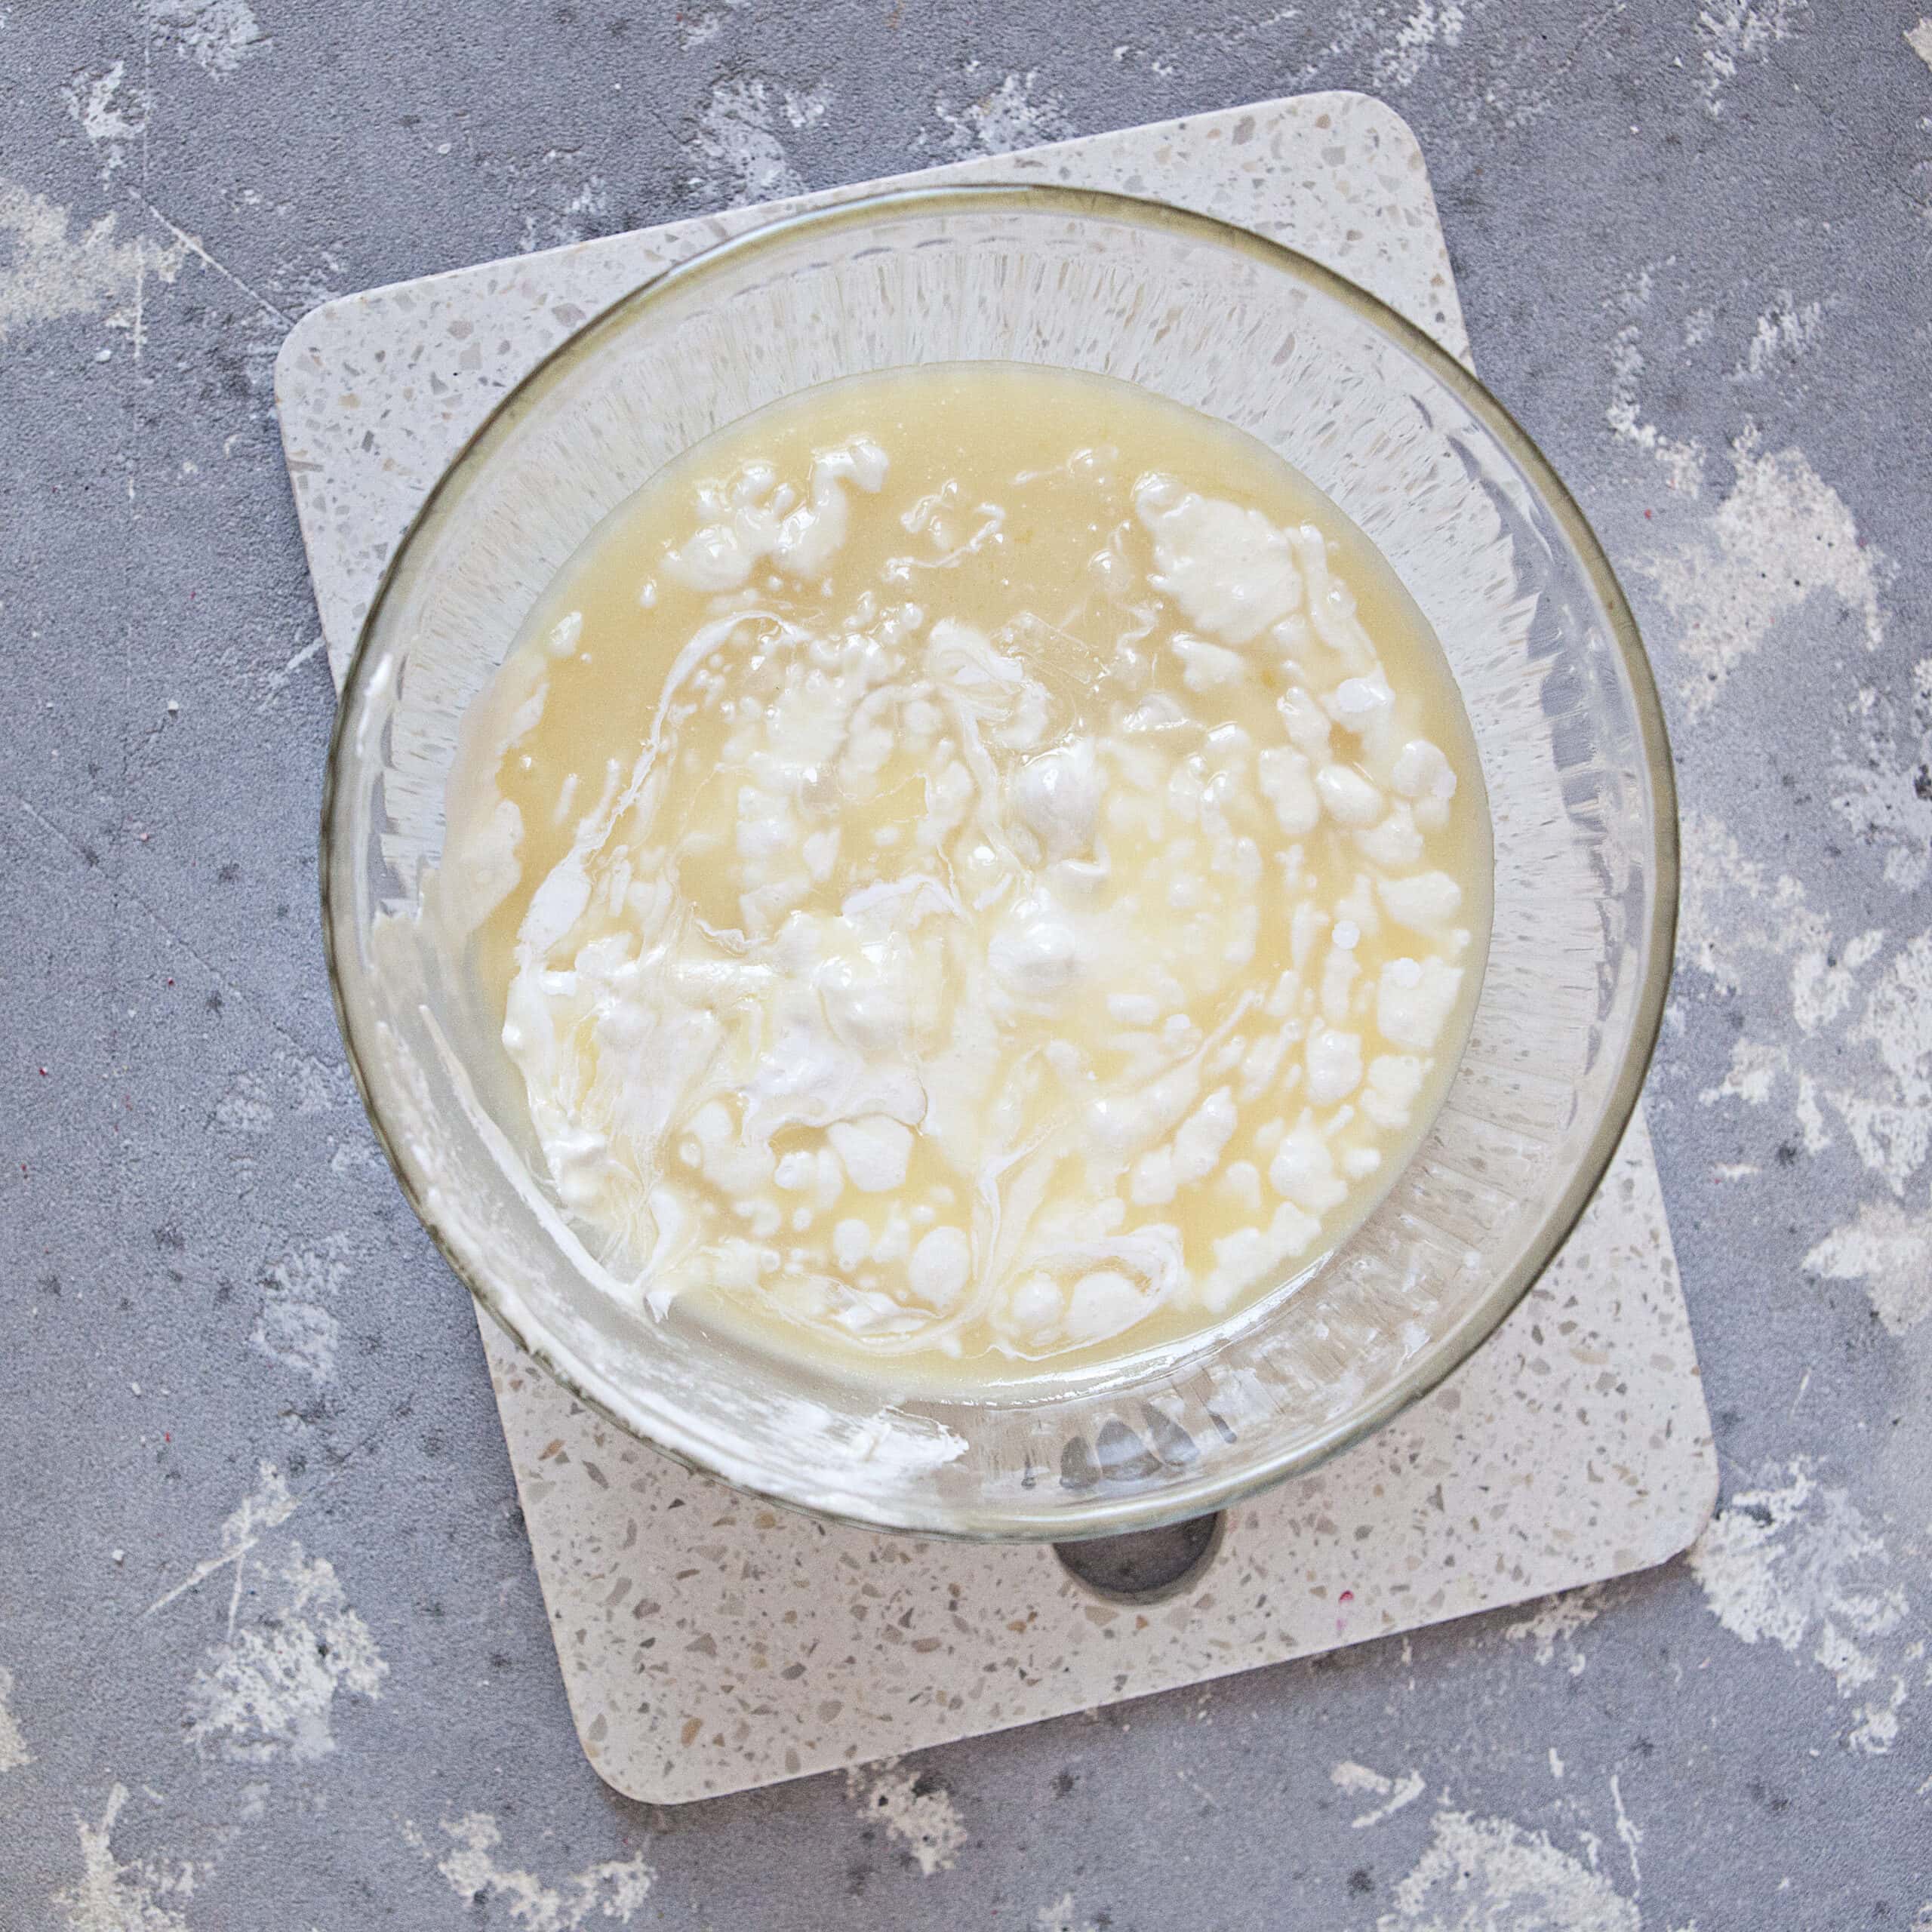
(745, 162)
(1797, 1565)
(695, 28)
(114, 1897)
(1682, 459)
(1891, 1123)
(568, 217)
(54, 272)
(357, 1155)
(269, 1689)
(588, 207)
(917, 1810)
(13, 1752)
(246, 1107)
(1487, 1875)
(294, 1328)
(316, 1086)
(1919, 39)
(296, 1334)
(1756, 1067)
(1017, 112)
(1888, 1248)
(278, 681)
(216, 35)
(1882, 788)
(1556, 1620)
(110, 119)
(1627, 1835)
(1877, 1728)
(267, 1507)
(1736, 915)
(806, 107)
(1513, 104)
(1736, 920)
(1430, 24)
(1781, 538)
(1361, 1781)
(1786, 332)
(615, 1889)
(1735, 31)
(1858, 1051)
(1063, 1915)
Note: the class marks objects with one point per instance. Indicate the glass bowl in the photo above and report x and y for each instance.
(1486, 539)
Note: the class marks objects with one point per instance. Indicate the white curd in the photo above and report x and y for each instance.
(979, 868)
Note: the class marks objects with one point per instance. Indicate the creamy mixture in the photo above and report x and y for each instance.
(977, 867)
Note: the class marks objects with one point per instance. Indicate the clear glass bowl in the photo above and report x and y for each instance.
(1486, 539)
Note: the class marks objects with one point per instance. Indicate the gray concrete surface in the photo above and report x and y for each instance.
(271, 1650)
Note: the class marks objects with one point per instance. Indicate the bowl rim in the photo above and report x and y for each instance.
(1147, 1508)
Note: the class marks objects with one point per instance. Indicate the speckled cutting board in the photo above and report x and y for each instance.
(710, 1643)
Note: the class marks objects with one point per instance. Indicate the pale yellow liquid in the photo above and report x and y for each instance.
(1008, 505)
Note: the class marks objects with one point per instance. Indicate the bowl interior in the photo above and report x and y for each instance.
(1484, 538)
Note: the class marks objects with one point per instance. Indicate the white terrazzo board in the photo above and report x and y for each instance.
(710, 1643)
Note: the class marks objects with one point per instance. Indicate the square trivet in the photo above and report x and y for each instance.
(709, 1642)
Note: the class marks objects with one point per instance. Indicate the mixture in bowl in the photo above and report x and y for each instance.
(980, 868)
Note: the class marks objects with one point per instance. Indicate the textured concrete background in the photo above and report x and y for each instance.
(271, 1650)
